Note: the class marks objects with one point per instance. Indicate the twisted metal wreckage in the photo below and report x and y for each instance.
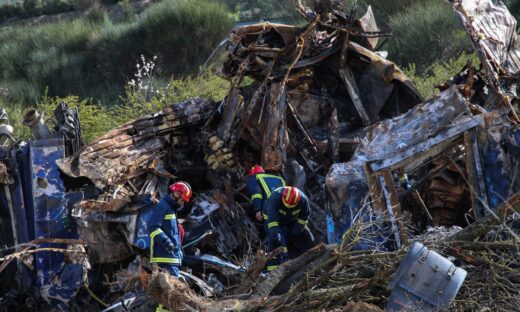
(328, 112)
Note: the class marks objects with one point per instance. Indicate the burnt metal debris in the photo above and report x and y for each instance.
(325, 109)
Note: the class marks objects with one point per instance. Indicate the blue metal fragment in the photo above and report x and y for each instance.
(58, 282)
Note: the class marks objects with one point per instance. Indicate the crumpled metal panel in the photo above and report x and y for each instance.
(347, 184)
(108, 235)
(58, 282)
(64, 286)
(142, 233)
(347, 189)
(111, 227)
(383, 87)
(127, 151)
(232, 230)
(392, 136)
(492, 30)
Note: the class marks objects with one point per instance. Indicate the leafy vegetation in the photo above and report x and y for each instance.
(426, 33)
(95, 59)
(91, 57)
(253, 10)
(97, 119)
(438, 73)
(33, 8)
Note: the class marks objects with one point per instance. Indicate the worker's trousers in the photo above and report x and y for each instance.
(293, 239)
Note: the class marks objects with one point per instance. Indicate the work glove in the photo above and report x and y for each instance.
(170, 247)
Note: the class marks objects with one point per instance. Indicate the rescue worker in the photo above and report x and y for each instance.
(260, 186)
(287, 214)
(165, 241)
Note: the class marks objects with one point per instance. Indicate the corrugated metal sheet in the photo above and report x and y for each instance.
(492, 30)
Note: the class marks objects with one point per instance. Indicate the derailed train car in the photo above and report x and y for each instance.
(325, 109)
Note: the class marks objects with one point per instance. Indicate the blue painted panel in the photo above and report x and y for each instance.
(500, 162)
(66, 286)
(52, 220)
(142, 234)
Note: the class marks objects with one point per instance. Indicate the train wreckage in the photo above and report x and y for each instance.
(383, 169)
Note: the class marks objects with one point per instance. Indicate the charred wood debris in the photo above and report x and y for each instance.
(416, 201)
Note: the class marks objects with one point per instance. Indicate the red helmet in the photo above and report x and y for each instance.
(256, 169)
(291, 196)
(184, 188)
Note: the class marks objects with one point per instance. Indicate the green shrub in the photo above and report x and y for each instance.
(33, 7)
(110, 2)
(208, 86)
(514, 8)
(384, 10)
(9, 10)
(16, 113)
(82, 5)
(128, 14)
(438, 73)
(180, 33)
(34, 58)
(426, 33)
(96, 15)
(146, 96)
(57, 6)
(95, 119)
(93, 58)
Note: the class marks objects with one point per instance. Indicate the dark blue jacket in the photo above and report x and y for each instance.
(276, 214)
(260, 186)
(163, 230)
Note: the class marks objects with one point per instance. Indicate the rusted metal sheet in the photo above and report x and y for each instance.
(367, 24)
(492, 30)
(350, 84)
(423, 132)
(129, 150)
(430, 144)
(393, 136)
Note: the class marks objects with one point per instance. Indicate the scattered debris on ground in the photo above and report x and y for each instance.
(383, 169)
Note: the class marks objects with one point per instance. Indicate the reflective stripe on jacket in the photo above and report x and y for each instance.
(260, 186)
(163, 231)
